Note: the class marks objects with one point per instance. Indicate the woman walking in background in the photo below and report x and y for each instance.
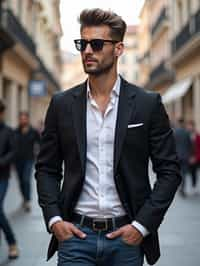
(195, 158)
(6, 157)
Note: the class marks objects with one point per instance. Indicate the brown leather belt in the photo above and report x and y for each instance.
(100, 224)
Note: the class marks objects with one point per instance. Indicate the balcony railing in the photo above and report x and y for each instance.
(157, 71)
(161, 72)
(191, 29)
(13, 27)
(5, 42)
(15, 32)
(161, 18)
(159, 75)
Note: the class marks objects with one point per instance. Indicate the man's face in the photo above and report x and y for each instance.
(24, 120)
(98, 62)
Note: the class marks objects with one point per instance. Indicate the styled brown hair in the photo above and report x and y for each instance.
(98, 17)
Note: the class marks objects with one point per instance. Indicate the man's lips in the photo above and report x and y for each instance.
(89, 61)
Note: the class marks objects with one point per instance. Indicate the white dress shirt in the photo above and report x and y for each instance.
(99, 197)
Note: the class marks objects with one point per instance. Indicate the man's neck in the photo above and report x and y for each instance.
(25, 128)
(102, 85)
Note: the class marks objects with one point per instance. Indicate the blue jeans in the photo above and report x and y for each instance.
(4, 224)
(24, 171)
(97, 250)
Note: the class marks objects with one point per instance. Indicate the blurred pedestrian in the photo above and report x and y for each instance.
(195, 157)
(26, 138)
(104, 131)
(6, 158)
(184, 151)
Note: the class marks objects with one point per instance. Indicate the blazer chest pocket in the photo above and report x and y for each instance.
(135, 126)
(135, 134)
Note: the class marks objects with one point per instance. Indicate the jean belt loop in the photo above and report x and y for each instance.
(82, 220)
(113, 223)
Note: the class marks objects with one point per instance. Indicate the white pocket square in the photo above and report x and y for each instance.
(135, 125)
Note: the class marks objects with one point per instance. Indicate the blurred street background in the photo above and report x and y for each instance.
(162, 54)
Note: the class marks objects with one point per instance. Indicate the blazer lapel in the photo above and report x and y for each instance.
(126, 107)
(79, 118)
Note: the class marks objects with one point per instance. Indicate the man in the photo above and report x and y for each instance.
(104, 131)
(26, 139)
(6, 158)
(184, 151)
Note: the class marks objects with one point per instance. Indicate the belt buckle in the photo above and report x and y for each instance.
(95, 225)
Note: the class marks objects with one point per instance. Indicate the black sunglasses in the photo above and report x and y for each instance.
(96, 44)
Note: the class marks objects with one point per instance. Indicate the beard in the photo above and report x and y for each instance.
(99, 69)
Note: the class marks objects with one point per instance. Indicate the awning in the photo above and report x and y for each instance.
(177, 91)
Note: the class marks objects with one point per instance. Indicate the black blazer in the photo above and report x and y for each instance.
(7, 150)
(64, 140)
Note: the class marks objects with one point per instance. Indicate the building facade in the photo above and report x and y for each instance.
(185, 60)
(72, 70)
(173, 55)
(161, 75)
(128, 63)
(30, 32)
(144, 44)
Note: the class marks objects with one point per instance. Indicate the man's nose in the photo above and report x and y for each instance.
(88, 49)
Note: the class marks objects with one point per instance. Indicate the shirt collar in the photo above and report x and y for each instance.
(115, 89)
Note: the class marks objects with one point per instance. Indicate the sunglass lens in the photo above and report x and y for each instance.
(97, 45)
(80, 45)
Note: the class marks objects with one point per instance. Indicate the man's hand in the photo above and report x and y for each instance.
(129, 234)
(65, 230)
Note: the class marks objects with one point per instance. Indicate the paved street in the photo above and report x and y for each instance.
(180, 233)
(30, 231)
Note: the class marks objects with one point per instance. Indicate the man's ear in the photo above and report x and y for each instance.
(119, 49)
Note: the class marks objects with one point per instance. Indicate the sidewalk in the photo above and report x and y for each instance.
(29, 228)
(179, 233)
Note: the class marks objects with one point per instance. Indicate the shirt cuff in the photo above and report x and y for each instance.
(140, 228)
(54, 220)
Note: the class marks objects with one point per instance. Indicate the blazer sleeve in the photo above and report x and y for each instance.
(165, 165)
(49, 166)
(8, 157)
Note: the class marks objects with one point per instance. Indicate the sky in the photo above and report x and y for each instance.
(70, 10)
